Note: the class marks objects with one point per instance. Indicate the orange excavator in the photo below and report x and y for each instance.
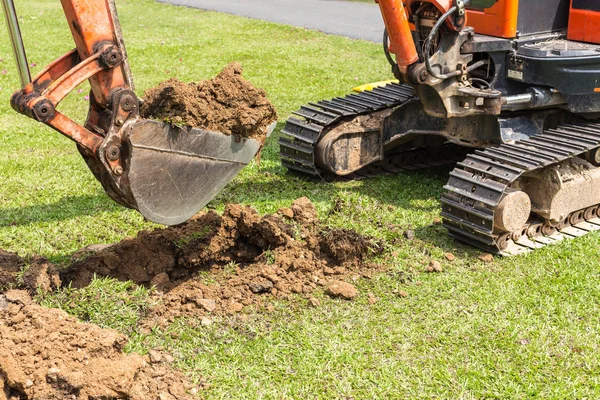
(166, 172)
(508, 91)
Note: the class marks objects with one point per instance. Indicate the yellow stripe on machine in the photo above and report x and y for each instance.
(370, 86)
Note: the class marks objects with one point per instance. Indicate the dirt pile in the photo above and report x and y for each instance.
(46, 354)
(218, 264)
(227, 103)
(10, 266)
(33, 275)
(212, 265)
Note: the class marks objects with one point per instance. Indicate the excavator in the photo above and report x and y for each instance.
(507, 92)
(166, 172)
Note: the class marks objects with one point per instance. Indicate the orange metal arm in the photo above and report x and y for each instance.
(92, 26)
(398, 28)
(99, 57)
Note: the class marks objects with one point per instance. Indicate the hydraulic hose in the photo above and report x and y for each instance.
(427, 50)
(386, 48)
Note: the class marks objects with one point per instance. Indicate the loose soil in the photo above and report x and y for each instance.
(213, 265)
(219, 264)
(227, 103)
(46, 355)
(40, 275)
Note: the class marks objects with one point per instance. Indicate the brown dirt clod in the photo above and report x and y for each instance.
(10, 266)
(41, 275)
(342, 289)
(227, 103)
(450, 257)
(486, 258)
(434, 266)
(32, 275)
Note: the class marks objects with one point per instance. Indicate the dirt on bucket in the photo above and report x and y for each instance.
(227, 103)
(47, 355)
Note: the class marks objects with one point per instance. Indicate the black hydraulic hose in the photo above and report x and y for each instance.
(431, 36)
(482, 82)
(386, 48)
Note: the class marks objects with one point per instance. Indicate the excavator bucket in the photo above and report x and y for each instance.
(174, 172)
(166, 172)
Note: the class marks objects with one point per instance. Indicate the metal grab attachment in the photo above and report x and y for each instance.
(16, 39)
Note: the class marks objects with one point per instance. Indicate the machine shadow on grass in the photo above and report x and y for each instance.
(68, 207)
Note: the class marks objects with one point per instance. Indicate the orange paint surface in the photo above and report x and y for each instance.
(584, 26)
(398, 28)
(500, 20)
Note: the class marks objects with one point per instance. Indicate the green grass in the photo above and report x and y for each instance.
(105, 302)
(525, 327)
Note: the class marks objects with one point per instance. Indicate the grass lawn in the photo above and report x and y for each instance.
(525, 327)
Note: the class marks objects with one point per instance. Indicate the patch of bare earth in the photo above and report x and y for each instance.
(210, 266)
(47, 355)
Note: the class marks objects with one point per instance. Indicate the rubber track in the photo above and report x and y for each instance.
(300, 135)
(478, 184)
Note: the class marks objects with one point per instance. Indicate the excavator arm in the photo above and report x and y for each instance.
(167, 173)
(427, 36)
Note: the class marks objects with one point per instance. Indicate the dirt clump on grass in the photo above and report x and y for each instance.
(10, 266)
(227, 103)
(219, 264)
(46, 354)
(34, 275)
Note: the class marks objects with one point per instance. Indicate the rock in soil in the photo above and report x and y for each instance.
(486, 257)
(227, 103)
(342, 289)
(46, 354)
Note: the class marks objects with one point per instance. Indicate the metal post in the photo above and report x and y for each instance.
(17, 41)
